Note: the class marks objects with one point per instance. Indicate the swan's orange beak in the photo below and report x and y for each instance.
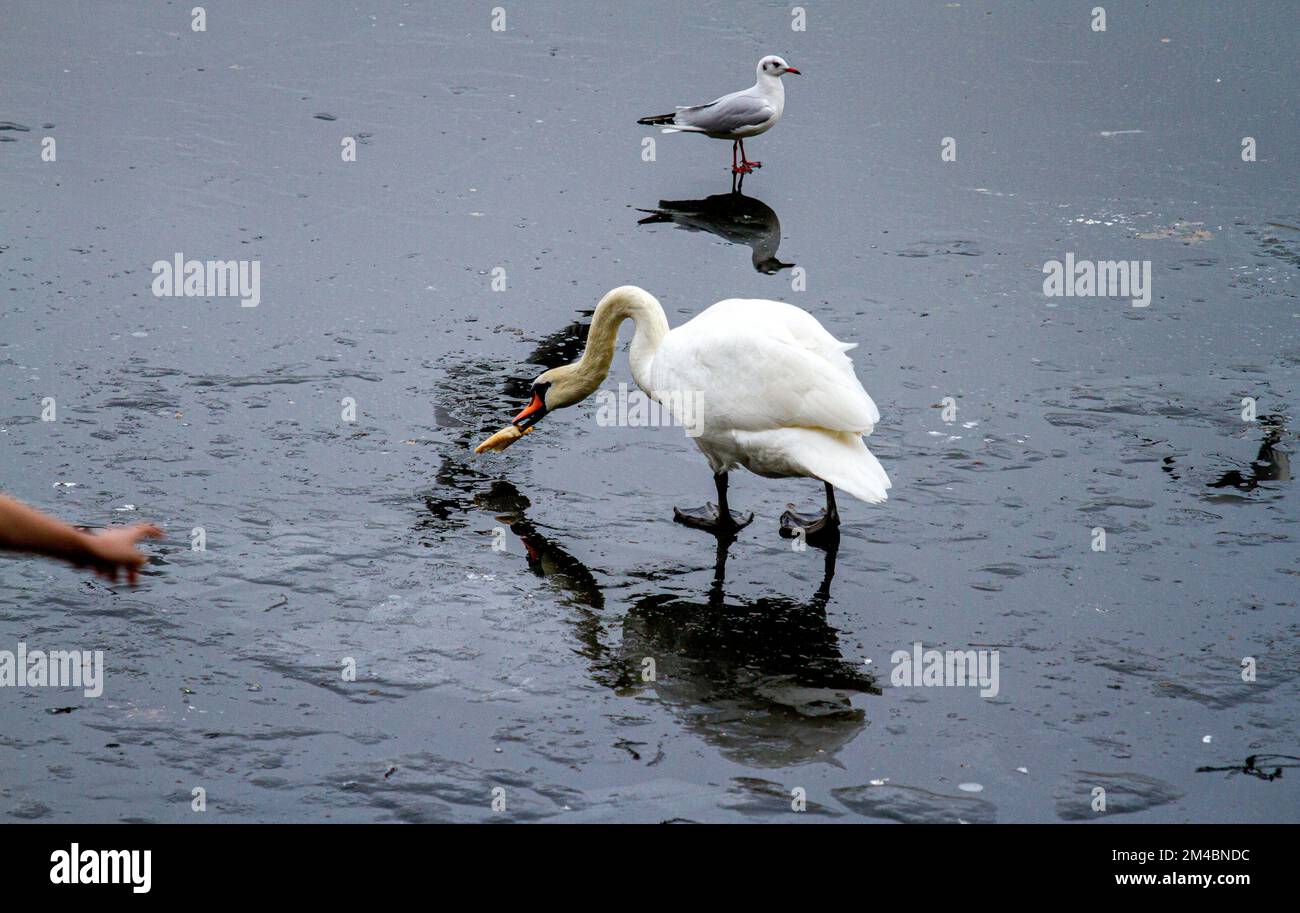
(532, 412)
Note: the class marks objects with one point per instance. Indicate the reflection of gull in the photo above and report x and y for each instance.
(733, 217)
(736, 116)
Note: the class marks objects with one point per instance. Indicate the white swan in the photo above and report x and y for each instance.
(777, 393)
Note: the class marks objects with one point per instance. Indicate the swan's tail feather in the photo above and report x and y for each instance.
(853, 469)
(840, 458)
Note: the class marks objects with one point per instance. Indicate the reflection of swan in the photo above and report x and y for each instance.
(467, 401)
(554, 349)
(763, 680)
(1272, 464)
(545, 558)
(768, 387)
(566, 574)
(733, 217)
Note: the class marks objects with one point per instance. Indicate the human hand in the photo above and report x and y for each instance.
(113, 550)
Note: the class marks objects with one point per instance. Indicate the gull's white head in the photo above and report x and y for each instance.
(771, 65)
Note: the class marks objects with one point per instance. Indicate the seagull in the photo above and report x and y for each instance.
(736, 116)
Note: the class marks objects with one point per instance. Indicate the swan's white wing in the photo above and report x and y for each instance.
(759, 365)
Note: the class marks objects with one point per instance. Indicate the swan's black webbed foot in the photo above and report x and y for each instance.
(820, 529)
(708, 518)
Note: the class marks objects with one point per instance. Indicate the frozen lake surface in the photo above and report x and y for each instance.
(521, 669)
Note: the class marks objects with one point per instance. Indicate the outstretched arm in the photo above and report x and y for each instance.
(26, 529)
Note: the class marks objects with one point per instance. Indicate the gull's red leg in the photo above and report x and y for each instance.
(743, 167)
(745, 162)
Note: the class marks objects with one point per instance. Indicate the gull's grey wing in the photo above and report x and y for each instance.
(728, 114)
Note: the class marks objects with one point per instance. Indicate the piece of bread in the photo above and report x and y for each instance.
(502, 439)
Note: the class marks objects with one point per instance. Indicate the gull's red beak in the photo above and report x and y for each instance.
(534, 411)
(793, 70)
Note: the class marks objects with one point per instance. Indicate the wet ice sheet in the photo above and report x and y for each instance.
(521, 669)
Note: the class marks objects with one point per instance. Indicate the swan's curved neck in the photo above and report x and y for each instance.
(622, 303)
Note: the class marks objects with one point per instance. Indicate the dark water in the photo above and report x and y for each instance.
(522, 669)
